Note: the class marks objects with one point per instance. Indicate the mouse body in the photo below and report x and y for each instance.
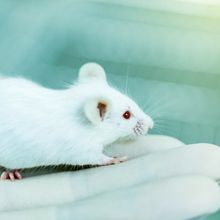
(41, 126)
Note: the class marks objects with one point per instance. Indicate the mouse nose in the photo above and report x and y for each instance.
(151, 123)
(146, 123)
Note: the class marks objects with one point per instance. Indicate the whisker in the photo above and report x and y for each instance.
(126, 82)
(164, 125)
(159, 104)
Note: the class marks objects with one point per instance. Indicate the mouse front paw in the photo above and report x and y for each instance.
(11, 175)
(115, 160)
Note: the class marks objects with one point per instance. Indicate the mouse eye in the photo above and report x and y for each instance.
(127, 115)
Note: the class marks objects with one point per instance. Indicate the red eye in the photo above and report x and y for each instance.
(127, 115)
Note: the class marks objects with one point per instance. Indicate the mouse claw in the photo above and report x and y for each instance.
(116, 160)
(4, 175)
(17, 175)
(11, 175)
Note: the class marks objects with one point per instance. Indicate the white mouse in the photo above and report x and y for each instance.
(41, 126)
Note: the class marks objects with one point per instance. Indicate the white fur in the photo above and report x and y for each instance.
(91, 71)
(41, 126)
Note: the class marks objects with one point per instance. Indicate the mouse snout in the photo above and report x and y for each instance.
(148, 122)
(143, 125)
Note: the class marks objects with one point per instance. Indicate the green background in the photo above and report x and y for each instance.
(164, 54)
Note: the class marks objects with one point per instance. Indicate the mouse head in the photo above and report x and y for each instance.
(108, 108)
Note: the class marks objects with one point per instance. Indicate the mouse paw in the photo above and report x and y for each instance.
(11, 175)
(116, 160)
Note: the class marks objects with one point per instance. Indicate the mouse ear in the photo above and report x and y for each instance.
(91, 71)
(96, 110)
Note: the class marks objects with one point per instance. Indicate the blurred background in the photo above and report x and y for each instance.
(164, 54)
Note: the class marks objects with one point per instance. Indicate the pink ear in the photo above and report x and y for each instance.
(96, 109)
(102, 109)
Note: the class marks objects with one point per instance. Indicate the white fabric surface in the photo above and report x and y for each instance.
(176, 182)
